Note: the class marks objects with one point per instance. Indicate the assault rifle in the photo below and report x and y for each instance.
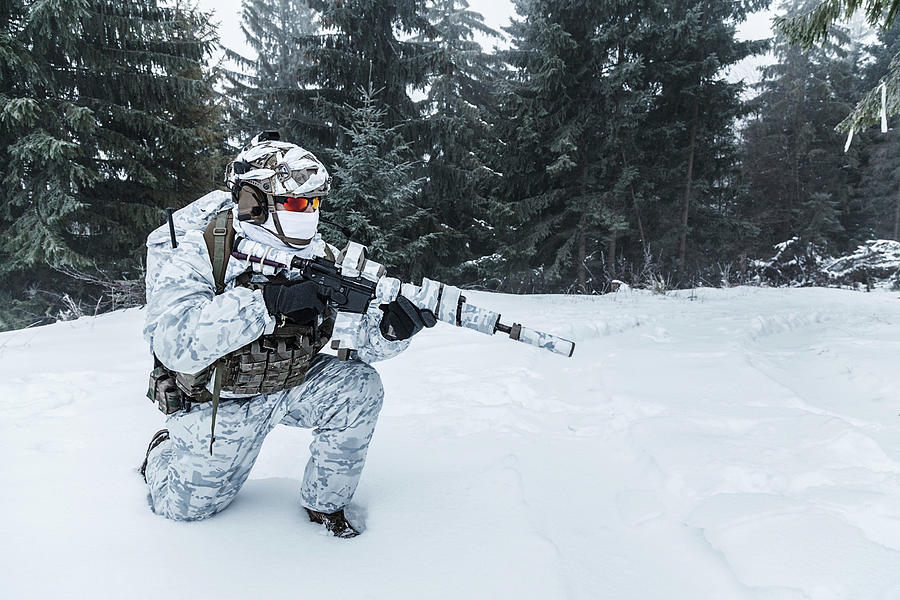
(351, 285)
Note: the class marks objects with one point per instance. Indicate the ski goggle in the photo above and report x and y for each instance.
(298, 204)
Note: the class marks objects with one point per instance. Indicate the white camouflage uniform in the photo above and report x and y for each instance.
(189, 327)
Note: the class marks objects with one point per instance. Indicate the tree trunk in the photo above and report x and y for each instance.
(611, 255)
(582, 256)
(637, 216)
(637, 212)
(682, 249)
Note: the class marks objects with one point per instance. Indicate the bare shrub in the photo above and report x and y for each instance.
(113, 293)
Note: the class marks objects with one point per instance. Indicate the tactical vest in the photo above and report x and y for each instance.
(269, 364)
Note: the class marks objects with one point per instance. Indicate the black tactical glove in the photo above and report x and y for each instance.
(300, 302)
(402, 319)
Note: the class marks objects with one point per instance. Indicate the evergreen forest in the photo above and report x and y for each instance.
(602, 140)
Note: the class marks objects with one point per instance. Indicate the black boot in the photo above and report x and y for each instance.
(158, 438)
(336, 523)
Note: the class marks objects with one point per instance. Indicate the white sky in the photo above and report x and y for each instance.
(496, 14)
(228, 12)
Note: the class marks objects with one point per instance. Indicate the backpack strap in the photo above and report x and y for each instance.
(219, 237)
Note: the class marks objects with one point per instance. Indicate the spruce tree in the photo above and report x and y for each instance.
(880, 174)
(373, 198)
(570, 112)
(107, 118)
(799, 181)
(817, 19)
(455, 140)
(360, 41)
(690, 131)
(263, 91)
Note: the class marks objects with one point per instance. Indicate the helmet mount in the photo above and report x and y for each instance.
(252, 204)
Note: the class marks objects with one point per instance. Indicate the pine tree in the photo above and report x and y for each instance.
(455, 139)
(799, 182)
(881, 173)
(107, 118)
(373, 198)
(360, 41)
(689, 135)
(263, 92)
(571, 113)
(619, 129)
(816, 20)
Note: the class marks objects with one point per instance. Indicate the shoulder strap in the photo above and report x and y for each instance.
(219, 236)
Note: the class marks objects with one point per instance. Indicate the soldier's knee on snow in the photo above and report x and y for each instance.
(195, 509)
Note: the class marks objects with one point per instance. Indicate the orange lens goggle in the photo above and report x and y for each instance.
(298, 204)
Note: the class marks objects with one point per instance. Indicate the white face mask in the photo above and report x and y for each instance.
(298, 225)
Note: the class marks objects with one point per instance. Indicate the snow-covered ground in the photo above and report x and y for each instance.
(725, 444)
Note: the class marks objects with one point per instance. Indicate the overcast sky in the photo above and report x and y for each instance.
(496, 14)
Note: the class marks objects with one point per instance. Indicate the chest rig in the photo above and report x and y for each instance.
(271, 363)
(276, 361)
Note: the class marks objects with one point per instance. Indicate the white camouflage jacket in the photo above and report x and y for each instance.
(188, 326)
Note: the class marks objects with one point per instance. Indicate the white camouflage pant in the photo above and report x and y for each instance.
(339, 399)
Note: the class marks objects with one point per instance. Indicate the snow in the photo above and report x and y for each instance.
(876, 263)
(744, 444)
(878, 257)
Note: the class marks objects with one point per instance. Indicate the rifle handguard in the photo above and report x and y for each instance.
(358, 281)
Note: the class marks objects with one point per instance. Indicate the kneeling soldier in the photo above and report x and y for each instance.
(218, 330)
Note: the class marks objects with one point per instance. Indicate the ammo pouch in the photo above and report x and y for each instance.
(270, 364)
(164, 391)
(274, 362)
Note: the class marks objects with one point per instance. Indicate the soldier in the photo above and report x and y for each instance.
(218, 330)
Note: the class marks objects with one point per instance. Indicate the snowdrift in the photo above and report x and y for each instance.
(722, 443)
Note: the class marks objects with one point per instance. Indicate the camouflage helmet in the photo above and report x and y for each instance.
(267, 168)
(278, 168)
